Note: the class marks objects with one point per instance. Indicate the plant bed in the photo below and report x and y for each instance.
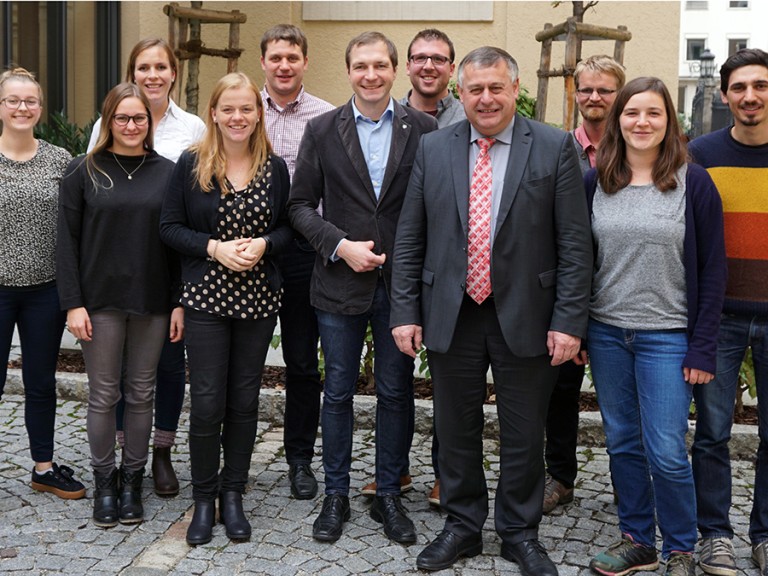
(274, 377)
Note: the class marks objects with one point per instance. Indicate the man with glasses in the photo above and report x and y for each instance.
(430, 67)
(597, 79)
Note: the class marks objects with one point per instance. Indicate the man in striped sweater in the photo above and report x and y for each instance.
(737, 159)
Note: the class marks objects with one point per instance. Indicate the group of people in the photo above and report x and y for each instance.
(457, 225)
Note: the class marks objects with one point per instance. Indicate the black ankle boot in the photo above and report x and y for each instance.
(105, 499)
(232, 516)
(131, 510)
(200, 530)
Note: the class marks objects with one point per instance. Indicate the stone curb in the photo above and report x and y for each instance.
(743, 445)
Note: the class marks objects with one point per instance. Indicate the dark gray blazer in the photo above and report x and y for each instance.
(330, 167)
(541, 260)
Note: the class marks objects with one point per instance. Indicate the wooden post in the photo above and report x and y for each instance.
(618, 47)
(572, 42)
(234, 42)
(544, 62)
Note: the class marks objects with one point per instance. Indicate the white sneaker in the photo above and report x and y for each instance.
(716, 556)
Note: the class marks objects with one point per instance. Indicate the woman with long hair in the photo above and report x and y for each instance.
(116, 282)
(225, 214)
(30, 171)
(657, 293)
(153, 66)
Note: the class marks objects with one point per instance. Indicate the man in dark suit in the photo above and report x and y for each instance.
(356, 161)
(514, 297)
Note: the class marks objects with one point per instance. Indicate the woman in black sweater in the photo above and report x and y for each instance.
(225, 214)
(116, 282)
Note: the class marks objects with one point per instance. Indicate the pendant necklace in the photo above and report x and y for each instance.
(132, 172)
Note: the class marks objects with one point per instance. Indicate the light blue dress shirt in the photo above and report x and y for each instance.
(375, 141)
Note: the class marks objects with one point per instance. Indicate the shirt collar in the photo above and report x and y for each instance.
(581, 137)
(442, 104)
(505, 136)
(272, 103)
(388, 113)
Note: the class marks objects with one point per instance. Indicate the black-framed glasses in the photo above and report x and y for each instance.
(437, 59)
(138, 119)
(602, 92)
(14, 102)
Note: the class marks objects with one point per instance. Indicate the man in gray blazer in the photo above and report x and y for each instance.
(356, 160)
(530, 319)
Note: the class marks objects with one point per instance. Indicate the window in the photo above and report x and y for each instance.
(696, 5)
(694, 48)
(738, 4)
(736, 44)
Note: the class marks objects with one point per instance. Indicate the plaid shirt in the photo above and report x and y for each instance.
(285, 126)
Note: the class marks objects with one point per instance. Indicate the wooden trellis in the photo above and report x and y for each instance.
(180, 21)
(573, 32)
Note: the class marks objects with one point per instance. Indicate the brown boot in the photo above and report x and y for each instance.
(166, 483)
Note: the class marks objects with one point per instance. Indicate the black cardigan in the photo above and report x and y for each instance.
(188, 218)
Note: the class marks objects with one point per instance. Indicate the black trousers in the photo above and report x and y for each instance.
(226, 360)
(298, 339)
(563, 425)
(523, 387)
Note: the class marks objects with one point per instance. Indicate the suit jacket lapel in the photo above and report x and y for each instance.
(518, 159)
(348, 135)
(401, 131)
(459, 157)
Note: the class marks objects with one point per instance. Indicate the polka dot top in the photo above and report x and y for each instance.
(243, 295)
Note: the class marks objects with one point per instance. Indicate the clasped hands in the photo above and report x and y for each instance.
(238, 255)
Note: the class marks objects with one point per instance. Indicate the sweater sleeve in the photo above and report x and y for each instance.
(281, 234)
(175, 225)
(711, 271)
(69, 229)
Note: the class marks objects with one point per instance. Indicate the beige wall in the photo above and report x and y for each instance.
(652, 50)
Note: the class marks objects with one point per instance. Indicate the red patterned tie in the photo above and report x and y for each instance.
(479, 248)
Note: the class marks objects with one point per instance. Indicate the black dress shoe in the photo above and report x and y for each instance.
(232, 516)
(446, 549)
(200, 530)
(531, 557)
(303, 483)
(397, 526)
(328, 525)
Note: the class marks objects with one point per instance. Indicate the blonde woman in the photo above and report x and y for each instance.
(116, 280)
(30, 171)
(225, 214)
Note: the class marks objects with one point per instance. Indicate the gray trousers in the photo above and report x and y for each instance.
(141, 336)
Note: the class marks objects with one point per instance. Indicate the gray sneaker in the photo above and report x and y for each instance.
(680, 564)
(760, 557)
(716, 556)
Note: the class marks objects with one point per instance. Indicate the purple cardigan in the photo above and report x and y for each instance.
(704, 261)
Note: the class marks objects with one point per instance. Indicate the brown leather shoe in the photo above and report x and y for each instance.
(434, 495)
(406, 485)
(555, 494)
(166, 483)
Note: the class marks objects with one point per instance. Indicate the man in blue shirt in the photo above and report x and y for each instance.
(356, 160)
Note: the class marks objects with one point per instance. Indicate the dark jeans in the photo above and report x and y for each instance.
(299, 334)
(169, 392)
(226, 362)
(714, 407)
(36, 312)
(563, 425)
(342, 339)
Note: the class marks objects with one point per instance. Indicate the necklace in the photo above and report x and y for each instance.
(131, 173)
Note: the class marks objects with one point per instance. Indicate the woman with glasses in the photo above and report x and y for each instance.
(657, 292)
(152, 66)
(115, 282)
(30, 171)
(225, 214)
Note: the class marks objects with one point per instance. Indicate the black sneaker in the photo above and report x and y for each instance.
(59, 481)
(625, 557)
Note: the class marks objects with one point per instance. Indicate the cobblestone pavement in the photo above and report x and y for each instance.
(42, 534)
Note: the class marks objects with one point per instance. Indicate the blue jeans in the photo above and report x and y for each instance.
(644, 401)
(714, 407)
(342, 337)
(35, 310)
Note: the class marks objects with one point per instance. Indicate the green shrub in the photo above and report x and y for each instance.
(59, 131)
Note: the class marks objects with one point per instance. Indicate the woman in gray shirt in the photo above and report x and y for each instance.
(657, 292)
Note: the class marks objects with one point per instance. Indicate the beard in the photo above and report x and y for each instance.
(594, 114)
